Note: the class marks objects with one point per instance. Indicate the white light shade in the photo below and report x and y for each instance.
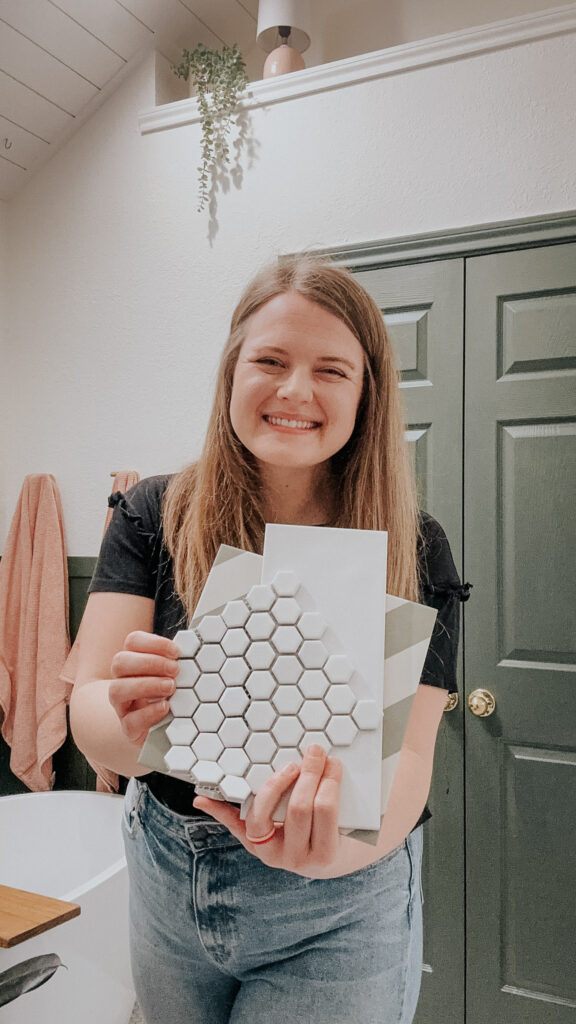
(273, 13)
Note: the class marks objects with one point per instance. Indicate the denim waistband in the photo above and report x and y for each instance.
(173, 793)
(199, 829)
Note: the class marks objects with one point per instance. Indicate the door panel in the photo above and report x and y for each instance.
(535, 902)
(535, 471)
(520, 472)
(423, 308)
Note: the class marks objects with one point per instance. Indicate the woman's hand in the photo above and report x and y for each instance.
(309, 841)
(143, 679)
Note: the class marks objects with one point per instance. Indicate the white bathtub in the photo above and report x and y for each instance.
(69, 845)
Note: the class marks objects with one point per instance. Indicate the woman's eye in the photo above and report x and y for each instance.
(332, 371)
(268, 361)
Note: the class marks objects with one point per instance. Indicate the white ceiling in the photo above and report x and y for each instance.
(59, 59)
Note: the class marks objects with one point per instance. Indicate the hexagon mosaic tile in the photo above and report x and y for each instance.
(257, 684)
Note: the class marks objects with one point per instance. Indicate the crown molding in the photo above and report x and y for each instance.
(395, 60)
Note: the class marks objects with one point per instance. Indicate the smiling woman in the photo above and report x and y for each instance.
(306, 428)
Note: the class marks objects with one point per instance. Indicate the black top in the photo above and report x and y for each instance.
(133, 560)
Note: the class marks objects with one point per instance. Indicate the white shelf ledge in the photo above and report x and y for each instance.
(380, 64)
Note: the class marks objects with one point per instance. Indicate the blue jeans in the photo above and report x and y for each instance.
(216, 936)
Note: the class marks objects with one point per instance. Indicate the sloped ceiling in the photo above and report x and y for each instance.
(59, 59)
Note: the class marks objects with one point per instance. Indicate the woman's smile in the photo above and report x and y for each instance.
(293, 423)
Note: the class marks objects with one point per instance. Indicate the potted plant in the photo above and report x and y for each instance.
(218, 77)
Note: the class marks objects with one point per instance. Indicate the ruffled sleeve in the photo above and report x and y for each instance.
(440, 588)
(128, 560)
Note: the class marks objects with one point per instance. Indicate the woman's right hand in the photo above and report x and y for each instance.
(143, 680)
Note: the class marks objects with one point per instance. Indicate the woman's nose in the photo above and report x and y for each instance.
(296, 385)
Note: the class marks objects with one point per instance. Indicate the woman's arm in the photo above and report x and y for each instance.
(125, 677)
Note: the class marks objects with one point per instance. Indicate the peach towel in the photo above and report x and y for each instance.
(34, 637)
(106, 781)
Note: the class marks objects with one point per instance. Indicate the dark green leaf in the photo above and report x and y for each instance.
(27, 975)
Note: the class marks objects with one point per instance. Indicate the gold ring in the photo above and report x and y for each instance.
(258, 840)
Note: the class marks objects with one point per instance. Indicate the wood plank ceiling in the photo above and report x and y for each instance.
(60, 59)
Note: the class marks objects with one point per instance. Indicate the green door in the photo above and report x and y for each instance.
(500, 855)
(520, 542)
(423, 308)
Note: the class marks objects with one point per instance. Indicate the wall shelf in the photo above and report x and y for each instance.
(380, 64)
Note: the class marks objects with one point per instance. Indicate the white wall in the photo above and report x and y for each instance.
(3, 260)
(3, 342)
(3, 268)
(342, 28)
(121, 303)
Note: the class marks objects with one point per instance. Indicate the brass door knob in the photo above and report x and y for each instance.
(481, 703)
(451, 702)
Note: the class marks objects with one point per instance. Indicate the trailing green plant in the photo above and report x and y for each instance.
(219, 76)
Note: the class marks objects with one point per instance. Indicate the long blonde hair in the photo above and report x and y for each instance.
(218, 500)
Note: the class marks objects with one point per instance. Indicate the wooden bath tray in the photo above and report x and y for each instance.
(25, 914)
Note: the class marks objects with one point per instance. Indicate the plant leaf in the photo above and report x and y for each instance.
(25, 976)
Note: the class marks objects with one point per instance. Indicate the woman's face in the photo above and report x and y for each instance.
(297, 383)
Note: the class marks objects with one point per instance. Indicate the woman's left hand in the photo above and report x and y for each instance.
(309, 841)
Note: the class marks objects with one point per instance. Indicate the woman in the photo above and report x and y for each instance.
(236, 921)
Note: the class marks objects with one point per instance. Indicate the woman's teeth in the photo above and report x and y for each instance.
(276, 421)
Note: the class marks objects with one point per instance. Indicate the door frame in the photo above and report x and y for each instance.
(498, 236)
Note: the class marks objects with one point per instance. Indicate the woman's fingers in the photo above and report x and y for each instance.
(140, 717)
(260, 817)
(259, 820)
(151, 643)
(311, 824)
(226, 814)
(300, 813)
(146, 654)
(310, 836)
(140, 703)
(126, 691)
(135, 663)
(325, 836)
(142, 682)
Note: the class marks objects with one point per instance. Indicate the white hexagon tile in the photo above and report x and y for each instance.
(242, 697)
(284, 651)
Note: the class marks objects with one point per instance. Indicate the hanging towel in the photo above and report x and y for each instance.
(34, 637)
(106, 781)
